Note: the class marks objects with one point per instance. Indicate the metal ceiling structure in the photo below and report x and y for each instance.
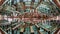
(42, 8)
(29, 5)
(37, 16)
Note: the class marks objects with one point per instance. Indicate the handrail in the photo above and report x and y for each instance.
(4, 2)
(57, 2)
(2, 31)
(57, 31)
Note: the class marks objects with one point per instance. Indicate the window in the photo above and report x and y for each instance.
(36, 0)
(44, 8)
(24, 0)
(27, 10)
(33, 0)
(15, 1)
(27, 0)
(18, 0)
(27, 3)
(21, 0)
